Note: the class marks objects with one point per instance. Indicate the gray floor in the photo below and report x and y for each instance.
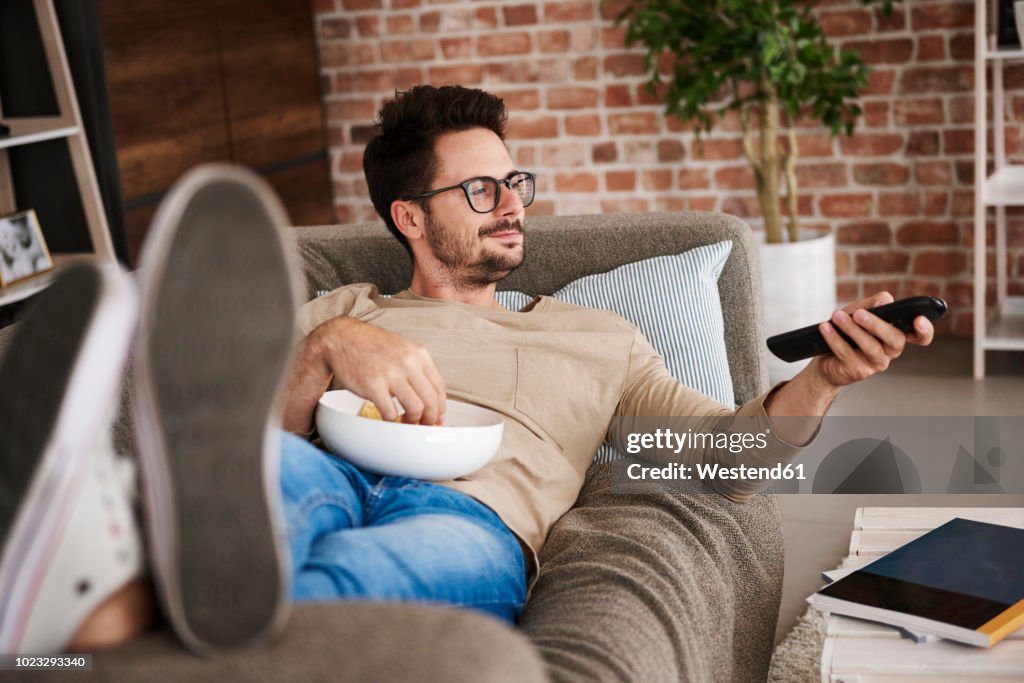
(932, 381)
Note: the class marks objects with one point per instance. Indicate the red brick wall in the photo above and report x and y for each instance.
(898, 195)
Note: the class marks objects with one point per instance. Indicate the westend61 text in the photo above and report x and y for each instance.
(706, 471)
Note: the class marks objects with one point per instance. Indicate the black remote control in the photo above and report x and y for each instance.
(807, 341)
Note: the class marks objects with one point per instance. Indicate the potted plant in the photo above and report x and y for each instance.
(769, 62)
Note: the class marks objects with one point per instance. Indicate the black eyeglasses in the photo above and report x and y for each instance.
(484, 193)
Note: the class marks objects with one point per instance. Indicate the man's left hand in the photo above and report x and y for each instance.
(879, 342)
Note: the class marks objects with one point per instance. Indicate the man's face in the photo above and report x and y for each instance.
(473, 249)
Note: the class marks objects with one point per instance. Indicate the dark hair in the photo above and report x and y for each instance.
(399, 161)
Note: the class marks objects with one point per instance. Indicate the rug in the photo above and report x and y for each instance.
(797, 659)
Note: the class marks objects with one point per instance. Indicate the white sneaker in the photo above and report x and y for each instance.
(69, 539)
(216, 336)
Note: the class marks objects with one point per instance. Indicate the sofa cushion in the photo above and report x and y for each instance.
(680, 313)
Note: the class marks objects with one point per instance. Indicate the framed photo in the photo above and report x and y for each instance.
(23, 252)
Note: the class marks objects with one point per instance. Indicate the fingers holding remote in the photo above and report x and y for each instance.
(870, 343)
(872, 301)
(877, 343)
(877, 340)
(924, 332)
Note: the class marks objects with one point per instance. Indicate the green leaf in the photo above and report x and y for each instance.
(730, 54)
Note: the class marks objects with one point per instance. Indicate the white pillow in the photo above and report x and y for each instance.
(674, 301)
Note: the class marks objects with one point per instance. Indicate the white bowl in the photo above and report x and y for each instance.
(468, 440)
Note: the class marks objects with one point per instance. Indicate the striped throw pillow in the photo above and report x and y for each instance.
(674, 301)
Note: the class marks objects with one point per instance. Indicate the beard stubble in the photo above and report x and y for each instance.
(461, 263)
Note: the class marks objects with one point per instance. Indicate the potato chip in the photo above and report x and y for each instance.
(369, 410)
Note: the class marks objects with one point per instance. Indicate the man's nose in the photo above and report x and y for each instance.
(509, 203)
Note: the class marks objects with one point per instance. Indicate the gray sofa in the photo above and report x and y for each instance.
(652, 587)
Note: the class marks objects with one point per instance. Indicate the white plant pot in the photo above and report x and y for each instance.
(799, 281)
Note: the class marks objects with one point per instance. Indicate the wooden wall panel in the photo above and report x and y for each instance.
(193, 81)
(136, 223)
(163, 75)
(272, 88)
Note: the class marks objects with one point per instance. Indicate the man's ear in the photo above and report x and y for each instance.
(408, 218)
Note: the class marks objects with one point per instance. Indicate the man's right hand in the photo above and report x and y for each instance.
(370, 362)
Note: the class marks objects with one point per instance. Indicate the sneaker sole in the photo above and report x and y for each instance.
(66, 359)
(216, 339)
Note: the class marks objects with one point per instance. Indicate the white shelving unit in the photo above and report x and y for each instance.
(66, 125)
(1002, 188)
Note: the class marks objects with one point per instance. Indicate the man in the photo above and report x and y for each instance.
(442, 180)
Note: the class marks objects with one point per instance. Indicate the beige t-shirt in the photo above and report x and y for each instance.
(557, 372)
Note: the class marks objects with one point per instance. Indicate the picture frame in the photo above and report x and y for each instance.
(23, 250)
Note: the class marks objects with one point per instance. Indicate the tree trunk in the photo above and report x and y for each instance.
(768, 179)
(791, 197)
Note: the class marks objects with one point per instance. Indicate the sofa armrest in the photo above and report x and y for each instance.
(658, 587)
(339, 641)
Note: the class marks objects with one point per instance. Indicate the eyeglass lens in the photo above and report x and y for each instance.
(483, 192)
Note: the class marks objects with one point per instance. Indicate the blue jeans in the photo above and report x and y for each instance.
(358, 535)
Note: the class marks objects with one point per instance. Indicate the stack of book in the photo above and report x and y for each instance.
(962, 581)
